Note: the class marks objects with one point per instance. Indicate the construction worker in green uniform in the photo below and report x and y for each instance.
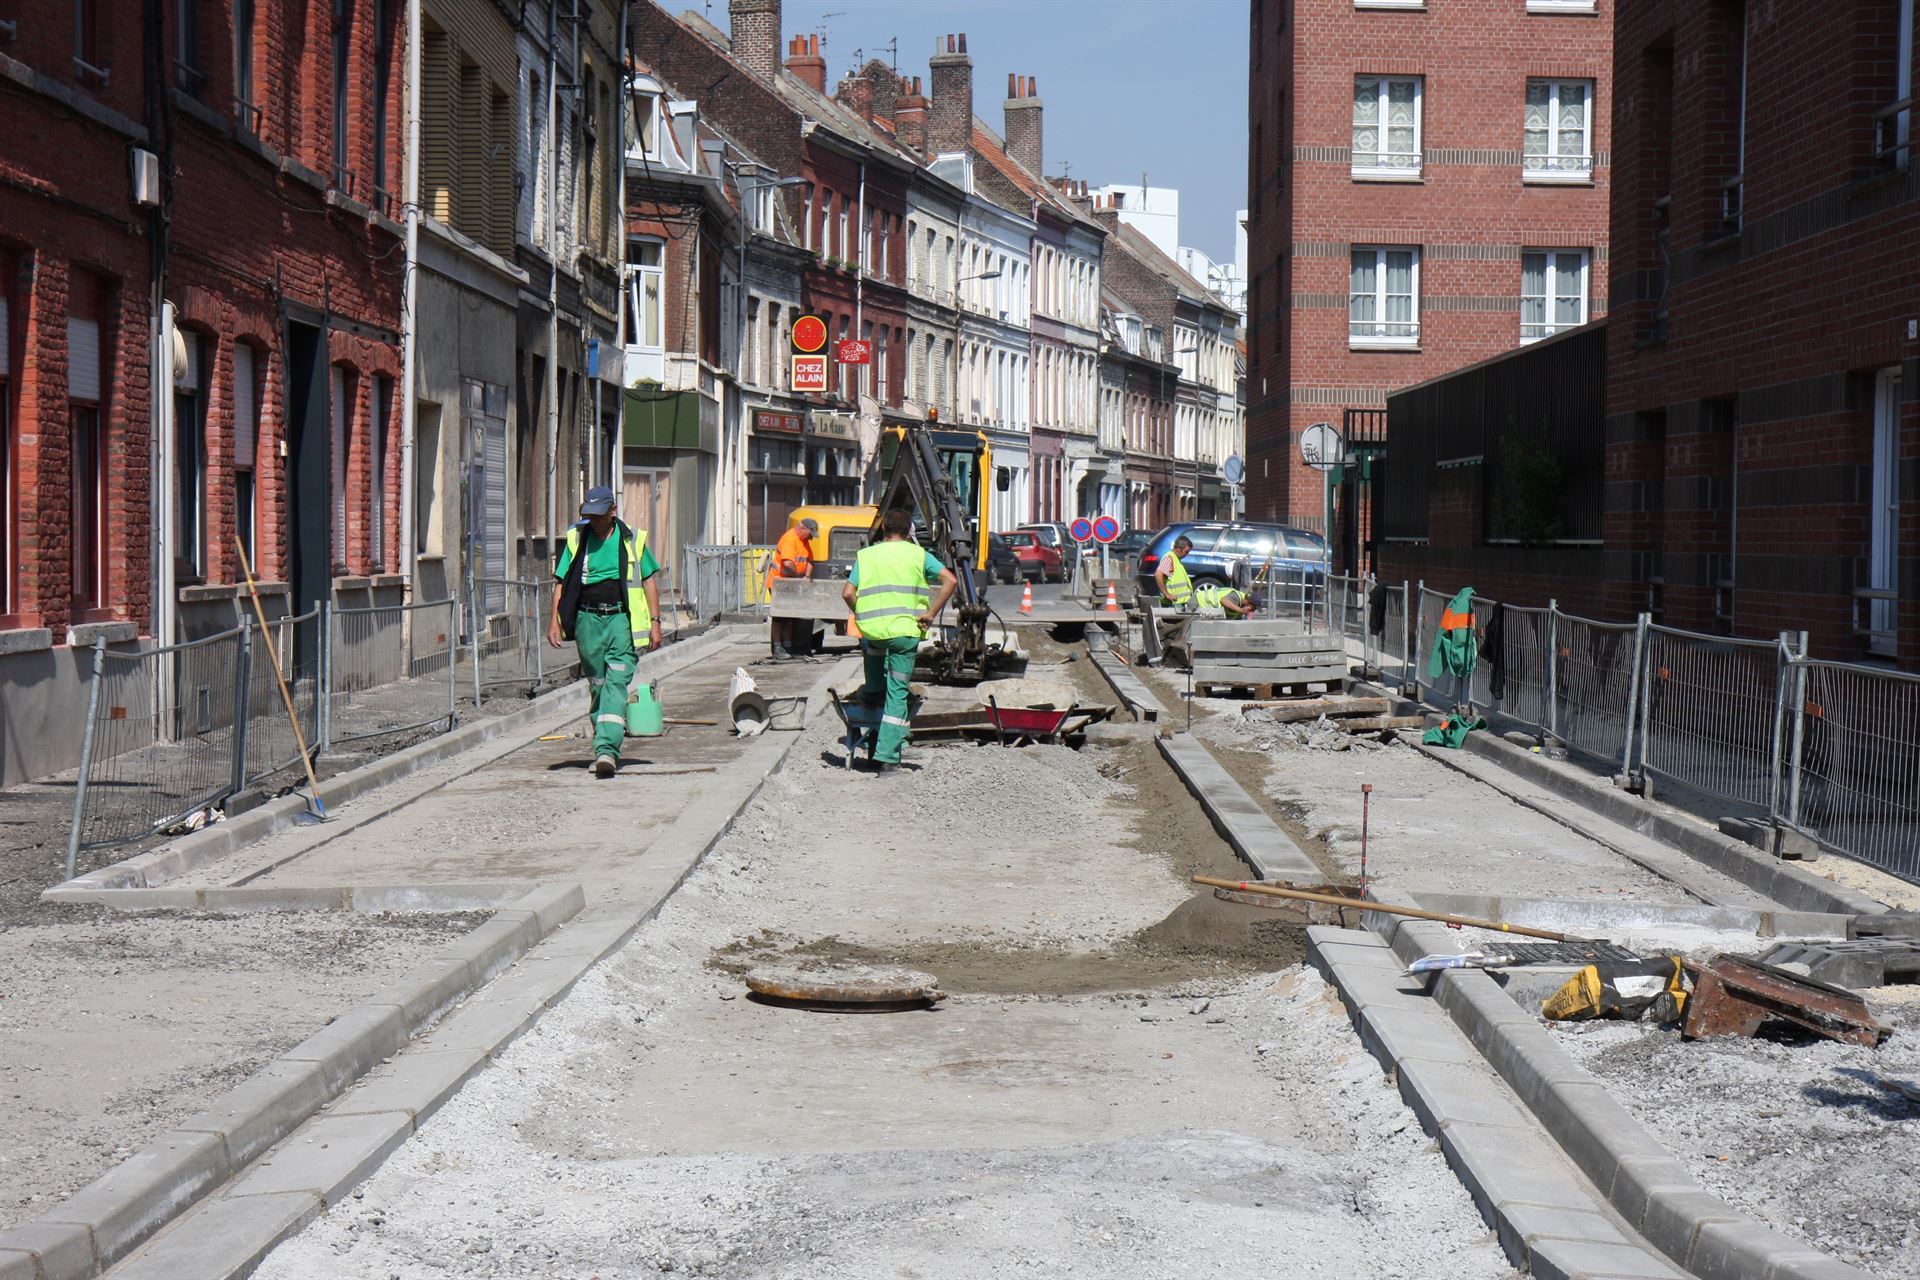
(1176, 587)
(606, 601)
(894, 600)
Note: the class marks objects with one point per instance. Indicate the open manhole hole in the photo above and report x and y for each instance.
(853, 988)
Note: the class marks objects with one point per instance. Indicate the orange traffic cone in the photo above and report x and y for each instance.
(1026, 599)
(1113, 601)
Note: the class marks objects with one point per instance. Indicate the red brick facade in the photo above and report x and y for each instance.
(255, 223)
(1758, 348)
(1468, 211)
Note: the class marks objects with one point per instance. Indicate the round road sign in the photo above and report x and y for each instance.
(1106, 529)
(1320, 447)
(809, 334)
(1081, 530)
(1234, 470)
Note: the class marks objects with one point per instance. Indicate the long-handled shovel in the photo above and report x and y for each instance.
(316, 808)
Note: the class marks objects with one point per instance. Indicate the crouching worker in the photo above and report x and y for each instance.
(1231, 601)
(606, 601)
(894, 600)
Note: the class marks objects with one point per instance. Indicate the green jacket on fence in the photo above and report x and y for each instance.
(1455, 646)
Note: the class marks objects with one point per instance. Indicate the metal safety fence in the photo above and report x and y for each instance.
(724, 579)
(1828, 749)
(507, 625)
(269, 742)
(391, 669)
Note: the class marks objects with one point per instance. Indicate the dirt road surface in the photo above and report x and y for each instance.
(1119, 1084)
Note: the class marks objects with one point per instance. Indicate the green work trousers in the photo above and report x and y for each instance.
(890, 666)
(605, 642)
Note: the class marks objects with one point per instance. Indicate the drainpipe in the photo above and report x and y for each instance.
(616, 447)
(860, 278)
(410, 322)
(552, 388)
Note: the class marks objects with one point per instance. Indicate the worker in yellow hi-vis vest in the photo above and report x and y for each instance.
(606, 601)
(894, 599)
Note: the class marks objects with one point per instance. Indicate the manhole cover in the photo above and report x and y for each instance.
(1580, 953)
(845, 988)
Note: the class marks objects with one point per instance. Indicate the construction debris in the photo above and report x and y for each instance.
(1653, 989)
(1338, 899)
(1863, 962)
(1292, 710)
(1736, 997)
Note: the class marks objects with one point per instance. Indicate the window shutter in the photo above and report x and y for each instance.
(83, 359)
(246, 415)
(337, 389)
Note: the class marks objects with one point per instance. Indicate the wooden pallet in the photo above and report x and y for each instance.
(1314, 688)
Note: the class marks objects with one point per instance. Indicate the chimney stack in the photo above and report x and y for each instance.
(804, 60)
(950, 117)
(910, 117)
(756, 35)
(855, 92)
(1023, 123)
(888, 88)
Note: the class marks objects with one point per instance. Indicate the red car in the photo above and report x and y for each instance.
(1038, 562)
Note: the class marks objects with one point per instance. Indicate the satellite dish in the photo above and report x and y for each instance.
(1321, 447)
(1235, 470)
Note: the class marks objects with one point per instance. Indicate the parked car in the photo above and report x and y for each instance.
(1038, 561)
(1131, 542)
(1051, 533)
(1297, 555)
(1002, 564)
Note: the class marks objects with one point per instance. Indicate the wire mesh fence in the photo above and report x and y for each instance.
(508, 630)
(391, 669)
(724, 579)
(1395, 645)
(160, 737)
(1596, 675)
(269, 743)
(1854, 762)
(1712, 712)
(1524, 653)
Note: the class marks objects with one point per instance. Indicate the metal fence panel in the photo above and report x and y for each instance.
(1857, 787)
(391, 669)
(1595, 676)
(1526, 668)
(270, 744)
(154, 755)
(725, 579)
(508, 622)
(1711, 717)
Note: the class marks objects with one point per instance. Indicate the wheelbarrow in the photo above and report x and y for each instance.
(1020, 725)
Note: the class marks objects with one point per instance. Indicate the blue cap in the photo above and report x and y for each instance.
(598, 502)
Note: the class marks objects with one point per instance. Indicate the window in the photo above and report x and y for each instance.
(1553, 291)
(340, 406)
(845, 234)
(1893, 124)
(86, 420)
(1383, 298)
(246, 435)
(643, 123)
(186, 49)
(190, 464)
(382, 87)
(1558, 129)
(1733, 187)
(1386, 126)
(379, 422)
(644, 294)
(244, 106)
(342, 55)
(86, 42)
(1560, 6)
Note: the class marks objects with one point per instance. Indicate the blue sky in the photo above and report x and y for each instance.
(1129, 85)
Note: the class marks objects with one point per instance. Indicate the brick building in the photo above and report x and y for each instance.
(1763, 356)
(260, 244)
(1439, 174)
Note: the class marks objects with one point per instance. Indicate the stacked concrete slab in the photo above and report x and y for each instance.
(1268, 656)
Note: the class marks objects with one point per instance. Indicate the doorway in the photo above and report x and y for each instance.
(309, 467)
(1884, 554)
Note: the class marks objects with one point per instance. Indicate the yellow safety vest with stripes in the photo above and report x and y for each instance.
(892, 592)
(1179, 585)
(639, 617)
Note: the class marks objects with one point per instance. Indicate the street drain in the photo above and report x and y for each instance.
(844, 988)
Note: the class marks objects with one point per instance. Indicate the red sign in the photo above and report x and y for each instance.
(787, 423)
(809, 334)
(854, 351)
(809, 373)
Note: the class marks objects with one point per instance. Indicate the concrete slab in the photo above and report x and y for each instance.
(228, 1238)
(1555, 1259)
(62, 1251)
(255, 1114)
(416, 1082)
(133, 1200)
(330, 1155)
(351, 1043)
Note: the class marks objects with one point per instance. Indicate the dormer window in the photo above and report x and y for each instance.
(643, 123)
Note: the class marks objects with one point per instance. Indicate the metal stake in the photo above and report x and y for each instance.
(1366, 804)
(1553, 669)
(1799, 730)
(1640, 689)
(242, 706)
(324, 730)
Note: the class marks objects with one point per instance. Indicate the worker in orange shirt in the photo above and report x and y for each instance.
(792, 558)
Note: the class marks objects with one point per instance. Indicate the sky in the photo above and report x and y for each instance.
(1130, 86)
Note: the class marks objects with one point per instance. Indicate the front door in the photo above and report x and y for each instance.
(1884, 554)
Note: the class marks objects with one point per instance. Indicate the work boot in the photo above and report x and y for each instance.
(604, 765)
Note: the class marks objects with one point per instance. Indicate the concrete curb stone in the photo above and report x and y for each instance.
(1128, 687)
(1256, 837)
(113, 1215)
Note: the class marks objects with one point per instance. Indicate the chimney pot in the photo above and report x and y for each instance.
(806, 63)
(963, 42)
